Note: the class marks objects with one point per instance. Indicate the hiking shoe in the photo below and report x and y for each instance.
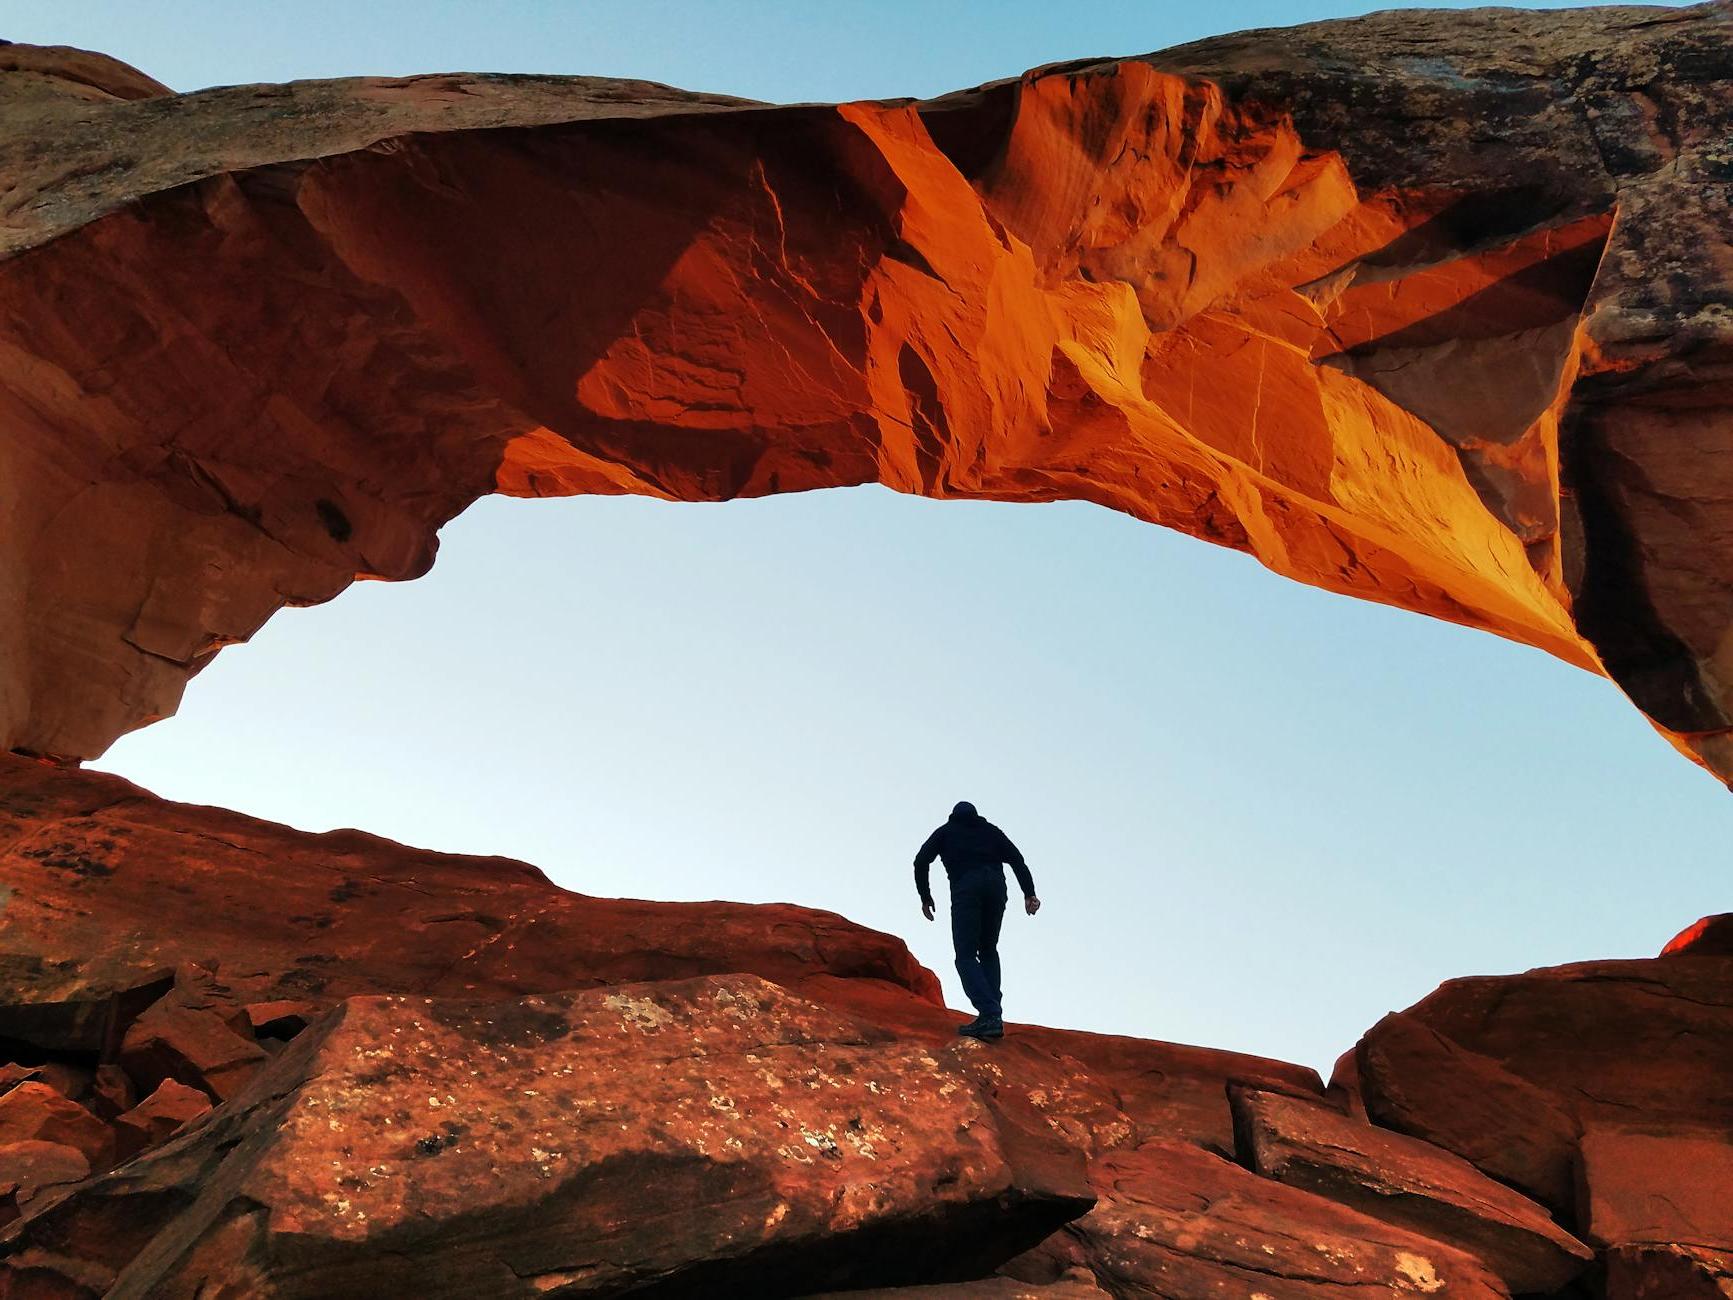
(970, 1028)
(984, 1029)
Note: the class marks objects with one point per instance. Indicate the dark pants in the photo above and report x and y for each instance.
(977, 909)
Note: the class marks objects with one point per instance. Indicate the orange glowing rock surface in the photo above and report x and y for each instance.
(1444, 330)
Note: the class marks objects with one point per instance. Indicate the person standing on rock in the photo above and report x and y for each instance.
(975, 853)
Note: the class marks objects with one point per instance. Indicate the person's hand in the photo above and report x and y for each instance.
(1031, 905)
(927, 910)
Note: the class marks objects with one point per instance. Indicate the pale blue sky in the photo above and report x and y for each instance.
(1260, 816)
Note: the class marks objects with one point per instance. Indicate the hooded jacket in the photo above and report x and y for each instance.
(968, 843)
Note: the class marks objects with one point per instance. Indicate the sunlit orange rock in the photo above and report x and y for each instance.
(1710, 937)
(1448, 332)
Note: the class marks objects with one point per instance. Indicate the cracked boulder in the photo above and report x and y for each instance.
(195, 1034)
(1430, 308)
(1409, 1183)
(159, 1116)
(1175, 1222)
(686, 1138)
(34, 1112)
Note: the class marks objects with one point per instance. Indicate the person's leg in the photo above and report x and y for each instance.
(987, 949)
(966, 942)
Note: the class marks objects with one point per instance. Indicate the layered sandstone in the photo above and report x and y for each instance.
(252, 1058)
(1429, 308)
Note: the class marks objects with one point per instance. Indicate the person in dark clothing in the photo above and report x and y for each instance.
(975, 852)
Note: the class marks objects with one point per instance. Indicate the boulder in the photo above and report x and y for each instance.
(1409, 1183)
(1657, 1187)
(28, 1167)
(35, 1112)
(713, 1136)
(70, 1081)
(1416, 1081)
(159, 1117)
(193, 1034)
(1175, 1222)
(1344, 1092)
(1614, 1042)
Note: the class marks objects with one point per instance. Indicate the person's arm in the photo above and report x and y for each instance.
(923, 865)
(1014, 857)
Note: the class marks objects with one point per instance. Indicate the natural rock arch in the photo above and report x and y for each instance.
(1424, 308)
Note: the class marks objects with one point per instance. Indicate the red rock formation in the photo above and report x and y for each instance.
(1447, 332)
(1660, 1188)
(159, 1116)
(34, 1112)
(1710, 937)
(1607, 1041)
(31, 1166)
(1668, 1273)
(1182, 1224)
(714, 1136)
(1416, 1081)
(1406, 1182)
(112, 890)
(1619, 1068)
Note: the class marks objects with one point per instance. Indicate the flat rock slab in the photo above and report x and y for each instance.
(1175, 1222)
(1657, 1188)
(715, 1136)
(1409, 1183)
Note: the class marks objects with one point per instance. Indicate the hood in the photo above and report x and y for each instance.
(963, 811)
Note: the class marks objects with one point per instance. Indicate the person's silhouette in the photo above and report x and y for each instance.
(975, 852)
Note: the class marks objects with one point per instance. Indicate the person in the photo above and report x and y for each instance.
(975, 852)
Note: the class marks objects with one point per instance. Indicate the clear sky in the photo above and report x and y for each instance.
(1260, 816)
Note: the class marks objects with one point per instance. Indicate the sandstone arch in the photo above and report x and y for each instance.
(1425, 308)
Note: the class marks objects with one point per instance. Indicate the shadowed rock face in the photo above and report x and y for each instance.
(1427, 308)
